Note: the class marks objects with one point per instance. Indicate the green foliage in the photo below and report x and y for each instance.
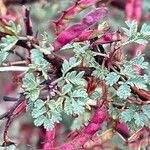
(38, 62)
(100, 73)
(74, 105)
(47, 113)
(124, 91)
(146, 110)
(6, 44)
(14, 28)
(51, 96)
(80, 121)
(137, 61)
(75, 78)
(112, 78)
(37, 59)
(127, 115)
(31, 83)
(139, 82)
(96, 94)
(135, 117)
(67, 65)
(140, 37)
(74, 96)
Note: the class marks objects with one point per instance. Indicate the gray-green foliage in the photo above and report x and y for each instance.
(47, 113)
(72, 98)
(135, 116)
(112, 78)
(74, 92)
(67, 65)
(133, 77)
(124, 91)
(71, 95)
(39, 63)
(140, 37)
(6, 44)
(31, 83)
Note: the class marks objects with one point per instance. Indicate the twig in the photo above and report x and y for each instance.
(13, 108)
(27, 22)
(12, 2)
(11, 99)
(13, 68)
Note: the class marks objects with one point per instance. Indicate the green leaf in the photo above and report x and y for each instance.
(139, 82)
(55, 116)
(46, 113)
(34, 94)
(79, 93)
(73, 106)
(113, 111)
(141, 41)
(15, 29)
(67, 65)
(76, 78)
(124, 91)
(96, 94)
(80, 120)
(147, 78)
(100, 73)
(30, 106)
(3, 56)
(112, 78)
(145, 30)
(39, 104)
(127, 115)
(7, 43)
(140, 119)
(146, 110)
(38, 112)
(138, 60)
(66, 88)
(39, 62)
(133, 26)
(128, 70)
(40, 120)
(30, 82)
(48, 125)
(141, 37)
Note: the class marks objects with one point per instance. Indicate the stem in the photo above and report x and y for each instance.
(13, 68)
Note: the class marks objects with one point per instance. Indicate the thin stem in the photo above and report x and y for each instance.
(13, 68)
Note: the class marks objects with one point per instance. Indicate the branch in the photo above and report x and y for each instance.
(27, 21)
(12, 2)
(13, 68)
(13, 108)
(144, 95)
